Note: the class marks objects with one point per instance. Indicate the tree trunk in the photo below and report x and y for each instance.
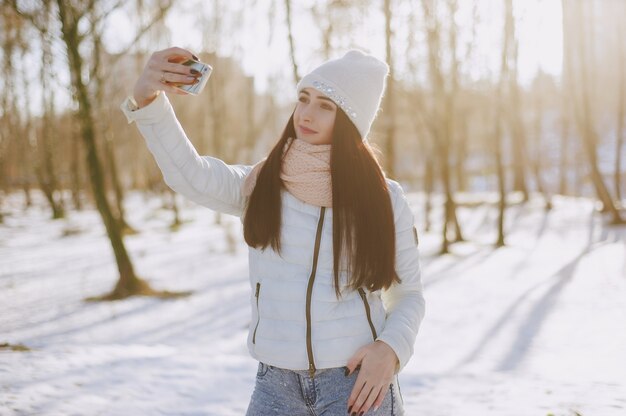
(128, 283)
(575, 23)
(12, 31)
(217, 118)
(429, 182)
(250, 131)
(25, 147)
(564, 148)
(497, 139)
(76, 183)
(45, 169)
(174, 205)
(104, 128)
(509, 38)
(515, 110)
(388, 106)
(621, 114)
(450, 117)
(536, 160)
(117, 187)
(292, 51)
(462, 178)
(442, 127)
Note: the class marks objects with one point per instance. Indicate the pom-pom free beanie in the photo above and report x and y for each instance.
(355, 82)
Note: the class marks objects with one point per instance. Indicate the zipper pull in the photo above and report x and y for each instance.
(258, 287)
(312, 370)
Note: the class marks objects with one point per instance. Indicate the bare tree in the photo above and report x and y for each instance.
(466, 101)
(292, 52)
(621, 106)
(389, 102)
(323, 13)
(421, 122)
(499, 117)
(128, 283)
(75, 166)
(104, 137)
(449, 121)
(536, 159)
(71, 17)
(442, 112)
(47, 133)
(564, 145)
(8, 117)
(514, 111)
(578, 59)
(215, 102)
(14, 127)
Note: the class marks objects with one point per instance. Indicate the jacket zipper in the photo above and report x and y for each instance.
(309, 292)
(367, 312)
(258, 319)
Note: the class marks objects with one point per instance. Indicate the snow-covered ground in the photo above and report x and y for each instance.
(535, 328)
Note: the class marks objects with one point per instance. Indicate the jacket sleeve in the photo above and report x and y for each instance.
(205, 180)
(404, 302)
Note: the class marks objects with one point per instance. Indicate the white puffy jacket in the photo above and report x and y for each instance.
(297, 322)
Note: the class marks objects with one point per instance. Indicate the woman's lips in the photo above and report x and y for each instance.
(306, 131)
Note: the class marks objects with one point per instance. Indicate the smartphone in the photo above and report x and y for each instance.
(205, 71)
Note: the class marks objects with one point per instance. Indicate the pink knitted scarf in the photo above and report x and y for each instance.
(305, 172)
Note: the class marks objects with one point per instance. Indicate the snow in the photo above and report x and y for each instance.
(534, 328)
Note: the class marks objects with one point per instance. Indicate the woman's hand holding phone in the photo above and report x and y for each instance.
(169, 70)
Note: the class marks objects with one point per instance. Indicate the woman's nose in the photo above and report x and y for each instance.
(307, 113)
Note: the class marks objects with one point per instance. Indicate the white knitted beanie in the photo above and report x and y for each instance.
(355, 82)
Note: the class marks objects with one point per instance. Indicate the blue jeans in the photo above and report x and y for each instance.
(279, 392)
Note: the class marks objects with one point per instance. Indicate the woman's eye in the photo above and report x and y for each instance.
(323, 106)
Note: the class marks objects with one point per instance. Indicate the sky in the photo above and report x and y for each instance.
(538, 27)
(263, 48)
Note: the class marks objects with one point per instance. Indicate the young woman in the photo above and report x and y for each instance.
(336, 295)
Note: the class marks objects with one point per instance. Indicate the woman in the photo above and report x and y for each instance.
(336, 294)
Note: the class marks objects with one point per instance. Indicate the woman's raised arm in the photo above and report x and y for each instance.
(205, 180)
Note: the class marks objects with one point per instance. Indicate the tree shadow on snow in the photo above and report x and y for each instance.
(535, 319)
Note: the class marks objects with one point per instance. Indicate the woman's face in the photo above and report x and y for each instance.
(314, 117)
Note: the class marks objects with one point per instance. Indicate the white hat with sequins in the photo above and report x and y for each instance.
(355, 82)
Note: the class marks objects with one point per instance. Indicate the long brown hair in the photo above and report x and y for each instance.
(361, 208)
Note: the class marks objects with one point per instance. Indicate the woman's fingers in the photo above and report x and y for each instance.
(174, 72)
(162, 72)
(380, 398)
(358, 403)
(178, 69)
(371, 398)
(169, 88)
(374, 378)
(174, 52)
(366, 394)
(176, 78)
(170, 69)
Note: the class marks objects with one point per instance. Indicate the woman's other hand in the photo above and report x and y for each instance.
(163, 69)
(378, 364)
